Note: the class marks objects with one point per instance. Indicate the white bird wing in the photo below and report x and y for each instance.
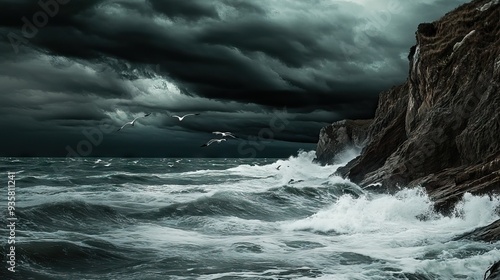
(224, 134)
(127, 123)
(175, 116)
(188, 115)
(211, 141)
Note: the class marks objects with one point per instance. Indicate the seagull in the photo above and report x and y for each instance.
(181, 118)
(224, 134)
(133, 121)
(212, 141)
(278, 168)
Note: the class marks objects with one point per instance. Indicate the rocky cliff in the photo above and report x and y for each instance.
(441, 128)
(341, 137)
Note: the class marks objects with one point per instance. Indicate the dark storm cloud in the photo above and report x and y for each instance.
(13, 11)
(76, 112)
(34, 74)
(247, 7)
(200, 60)
(235, 61)
(287, 43)
(191, 10)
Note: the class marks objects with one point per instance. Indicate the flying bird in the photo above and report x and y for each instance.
(181, 118)
(133, 121)
(212, 141)
(224, 134)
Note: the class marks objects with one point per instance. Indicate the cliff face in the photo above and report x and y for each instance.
(441, 128)
(339, 137)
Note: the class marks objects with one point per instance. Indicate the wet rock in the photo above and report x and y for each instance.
(493, 273)
(339, 137)
(440, 129)
(489, 233)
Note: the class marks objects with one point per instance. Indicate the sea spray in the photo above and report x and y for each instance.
(239, 219)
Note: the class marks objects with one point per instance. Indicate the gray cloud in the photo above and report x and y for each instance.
(234, 61)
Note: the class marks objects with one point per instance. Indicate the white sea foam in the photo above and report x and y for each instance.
(373, 236)
(410, 211)
(403, 229)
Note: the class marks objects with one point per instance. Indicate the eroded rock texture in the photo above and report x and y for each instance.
(340, 136)
(441, 128)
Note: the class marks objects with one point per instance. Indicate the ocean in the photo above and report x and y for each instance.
(208, 218)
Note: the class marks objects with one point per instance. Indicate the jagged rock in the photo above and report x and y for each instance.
(385, 134)
(340, 136)
(427, 29)
(493, 273)
(441, 128)
(489, 233)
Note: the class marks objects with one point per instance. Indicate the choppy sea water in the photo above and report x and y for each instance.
(114, 218)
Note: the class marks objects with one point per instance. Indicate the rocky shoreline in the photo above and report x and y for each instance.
(441, 128)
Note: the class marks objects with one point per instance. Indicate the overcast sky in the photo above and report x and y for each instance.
(73, 70)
